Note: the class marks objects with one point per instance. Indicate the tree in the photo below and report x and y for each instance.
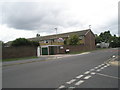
(106, 37)
(115, 42)
(97, 39)
(24, 42)
(34, 43)
(73, 40)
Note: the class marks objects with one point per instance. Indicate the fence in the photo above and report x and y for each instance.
(18, 52)
(75, 48)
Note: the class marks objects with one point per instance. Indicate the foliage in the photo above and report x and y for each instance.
(72, 40)
(115, 41)
(37, 35)
(24, 42)
(65, 42)
(106, 36)
(98, 39)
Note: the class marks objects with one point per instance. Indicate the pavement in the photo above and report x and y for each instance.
(41, 58)
(88, 70)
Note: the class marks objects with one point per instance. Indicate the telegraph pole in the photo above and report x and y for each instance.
(89, 26)
(56, 31)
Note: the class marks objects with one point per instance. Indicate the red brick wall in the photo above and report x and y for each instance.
(74, 48)
(90, 41)
(18, 52)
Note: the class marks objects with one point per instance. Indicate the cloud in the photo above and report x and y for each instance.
(32, 16)
(67, 15)
(9, 34)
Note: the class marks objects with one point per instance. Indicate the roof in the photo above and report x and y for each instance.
(80, 33)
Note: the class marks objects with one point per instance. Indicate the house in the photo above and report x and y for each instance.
(86, 37)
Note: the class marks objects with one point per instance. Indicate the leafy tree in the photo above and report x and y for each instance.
(65, 42)
(115, 42)
(24, 42)
(73, 40)
(106, 36)
(98, 39)
(34, 43)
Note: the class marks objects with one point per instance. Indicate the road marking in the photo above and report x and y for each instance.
(99, 65)
(62, 86)
(79, 76)
(87, 72)
(96, 67)
(71, 87)
(105, 66)
(87, 77)
(108, 76)
(92, 69)
(79, 82)
(108, 64)
(71, 81)
(93, 73)
(98, 70)
(102, 68)
(102, 64)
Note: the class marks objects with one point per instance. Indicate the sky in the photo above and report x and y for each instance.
(26, 18)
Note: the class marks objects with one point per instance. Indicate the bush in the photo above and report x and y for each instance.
(24, 42)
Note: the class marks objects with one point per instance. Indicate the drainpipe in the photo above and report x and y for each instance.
(48, 50)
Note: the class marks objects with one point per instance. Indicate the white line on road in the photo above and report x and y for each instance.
(96, 67)
(108, 76)
(87, 72)
(102, 68)
(105, 66)
(87, 77)
(98, 70)
(99, 65)
(62, 86)
(79, 82)
(93, 73)
(71, 81)
(108, 64)
(92, 69)
(79, 76)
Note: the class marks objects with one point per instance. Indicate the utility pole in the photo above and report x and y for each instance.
(89, 26)
(56, 30)
(56, 38)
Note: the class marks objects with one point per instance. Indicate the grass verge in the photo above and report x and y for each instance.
(15, 59)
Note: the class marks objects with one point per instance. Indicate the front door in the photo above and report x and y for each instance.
(44, 51)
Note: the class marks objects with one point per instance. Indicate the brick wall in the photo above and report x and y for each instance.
(74, 48)
(90, 41)
(18, 52)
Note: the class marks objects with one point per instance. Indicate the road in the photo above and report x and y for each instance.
(78, 71)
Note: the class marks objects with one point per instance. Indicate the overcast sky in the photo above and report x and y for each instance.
(26, 18)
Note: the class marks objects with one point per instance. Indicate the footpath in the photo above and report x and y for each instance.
(41, 58)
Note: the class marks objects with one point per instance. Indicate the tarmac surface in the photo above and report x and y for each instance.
(86, 70)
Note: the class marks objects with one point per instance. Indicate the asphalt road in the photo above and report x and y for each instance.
(79, 71)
